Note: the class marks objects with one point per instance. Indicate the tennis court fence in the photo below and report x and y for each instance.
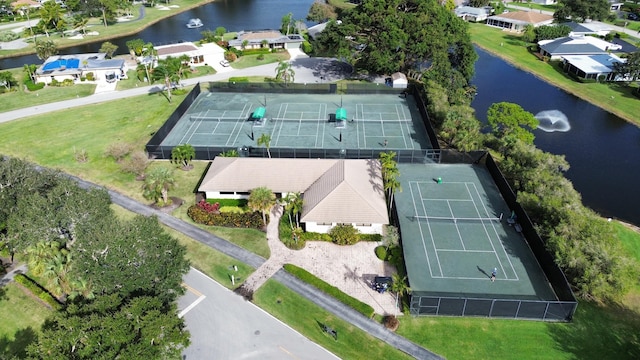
(424, 304)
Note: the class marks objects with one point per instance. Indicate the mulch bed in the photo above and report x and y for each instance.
(176, 202)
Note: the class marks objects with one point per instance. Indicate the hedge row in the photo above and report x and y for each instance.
(229, 202)
(31, 86)
(252, 220)
(38, 291)
(239, 79)
(304, 275)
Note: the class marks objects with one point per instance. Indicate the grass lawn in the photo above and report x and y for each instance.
(615, 98)
(132, 80)
(252, 60)
(306, 317)
(21, 99)
(20, 318)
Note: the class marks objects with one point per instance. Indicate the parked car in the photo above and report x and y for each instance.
(633, 16)
(224, 63)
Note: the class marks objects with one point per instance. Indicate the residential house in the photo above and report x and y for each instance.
(473, 14)
(575, 45)
(598, 29)
(209, 53)
(78, 66)
(271, 39)
(518, 20)
(334, 191)
(593, 67)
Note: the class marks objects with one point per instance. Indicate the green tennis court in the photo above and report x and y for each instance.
(456, 230)
(301, 121)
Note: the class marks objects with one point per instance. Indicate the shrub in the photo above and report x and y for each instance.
(90, 76)
(229, 202)
(38, 291)
(239, 79)
(307, 47)
(118, 151)
(344, 234)
(381, 252)
(208, 207)
(250, 220)
(230, 56)
(304, 275)
(7, 36)
(260, 57)
(391, 322)
(371, 237)
(223, 44)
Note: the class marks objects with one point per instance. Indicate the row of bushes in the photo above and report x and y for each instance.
(7, 36)
(31, 86)
(38, 291)
(304, 275)
(229, 202)
(250, 220)
(65, 82)
(239, 79)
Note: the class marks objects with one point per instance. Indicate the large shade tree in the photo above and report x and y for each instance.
(581, 10)
(383, 37)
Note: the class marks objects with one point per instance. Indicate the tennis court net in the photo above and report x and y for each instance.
(459, 220)
(386, 121)
(311, 120)
(218, 118)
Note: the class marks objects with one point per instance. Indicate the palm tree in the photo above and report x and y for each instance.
(149, 54)
(293, 205)
(157, 184)
(265, 139)
(183, 154)
(171, 70)
(39, 255)
(50, 15)
(57, 273)
(25, 9)
(399, 286)
(262, 199)
(285, 72)
(45, 49)
(390, 173)
(391, 186)
(31, 70)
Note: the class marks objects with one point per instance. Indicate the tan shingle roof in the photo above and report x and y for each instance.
(175, 49)
(525, 16)
(350, 192)
(333, 190)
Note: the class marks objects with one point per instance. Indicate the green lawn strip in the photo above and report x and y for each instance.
(595, 333)
(20, 318)
(132, 80)
(247, 61)
(152, 15)
(306, 317)
(613, 97)
(309, 278)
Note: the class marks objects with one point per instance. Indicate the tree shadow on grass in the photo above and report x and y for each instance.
(599, 332)
(17, 347)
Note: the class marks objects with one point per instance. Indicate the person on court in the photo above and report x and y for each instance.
(493, 274)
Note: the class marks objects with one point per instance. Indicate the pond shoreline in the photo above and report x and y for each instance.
(103, 38)
(604, 107)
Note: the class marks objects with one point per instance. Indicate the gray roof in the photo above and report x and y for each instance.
(577, 28)
(271, 36)
(470, 10)
(567, 45)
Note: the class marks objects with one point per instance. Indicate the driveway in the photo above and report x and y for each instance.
(225, 326)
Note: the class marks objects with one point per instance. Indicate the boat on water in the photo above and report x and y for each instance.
(194, 23)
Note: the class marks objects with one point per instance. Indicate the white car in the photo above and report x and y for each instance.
(224, 63)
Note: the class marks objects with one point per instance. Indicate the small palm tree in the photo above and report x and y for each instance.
(284, 72)
(157, 184)
(293, 205)
(265, 139)
(262, 199)
(183, 154)
(399, 286)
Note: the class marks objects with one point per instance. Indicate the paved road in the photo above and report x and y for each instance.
(224, 326)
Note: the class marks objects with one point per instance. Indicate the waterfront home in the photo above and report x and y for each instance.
(272, 39)
(575, 45)
(518, 20)
(81, 66)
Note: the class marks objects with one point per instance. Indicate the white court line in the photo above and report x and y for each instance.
(424, 245)
(431, 234)
(471, 278)
(456, 225)
(239, 121)
(324, 124)
(191, 306)
(188, 130)
(497, 235)
(476, 251)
